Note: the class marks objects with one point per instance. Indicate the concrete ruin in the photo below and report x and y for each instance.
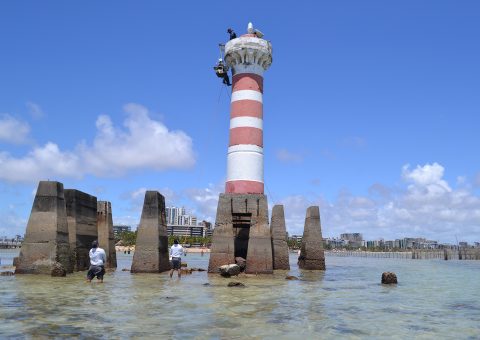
(312, 256)
(46, 249)
(81, 209)
(279, 239)
(151, 249)
(242, 230)
(106, 238)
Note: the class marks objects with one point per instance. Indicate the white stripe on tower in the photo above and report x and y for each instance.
(245, 121)
(247, 95)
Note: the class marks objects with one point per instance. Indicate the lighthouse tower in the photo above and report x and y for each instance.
(242, 232)
(248, 57)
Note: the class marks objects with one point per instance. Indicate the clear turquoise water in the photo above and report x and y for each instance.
(434, 299)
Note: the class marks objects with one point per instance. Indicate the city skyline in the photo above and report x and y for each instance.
(370, 111)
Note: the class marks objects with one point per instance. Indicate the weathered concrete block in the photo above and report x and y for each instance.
(106, 239)
(242, 230)
(82, 226)
(151, 249)
(46, 249)
(279, 239)
(312, 255)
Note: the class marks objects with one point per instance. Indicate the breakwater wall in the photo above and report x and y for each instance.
(374, 254)
(10, 244)
(423, 254)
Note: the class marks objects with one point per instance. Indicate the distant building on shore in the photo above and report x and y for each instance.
(207, 228)
(181, 224)
(202, 229)
(295, 239)
(120, 228)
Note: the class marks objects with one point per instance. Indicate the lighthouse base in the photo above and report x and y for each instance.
(242, 231)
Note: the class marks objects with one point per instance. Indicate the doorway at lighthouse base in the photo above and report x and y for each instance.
(242, 230)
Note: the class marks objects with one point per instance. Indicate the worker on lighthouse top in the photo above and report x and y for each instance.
(232, 34)
(248, 56)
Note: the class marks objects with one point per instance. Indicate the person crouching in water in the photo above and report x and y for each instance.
(176, 252)
(97, 263)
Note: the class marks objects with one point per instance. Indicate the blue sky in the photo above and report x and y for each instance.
(371, 109)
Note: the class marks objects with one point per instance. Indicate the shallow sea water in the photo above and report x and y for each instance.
(434, 299)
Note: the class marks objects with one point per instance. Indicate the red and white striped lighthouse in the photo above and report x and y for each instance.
(248, 56)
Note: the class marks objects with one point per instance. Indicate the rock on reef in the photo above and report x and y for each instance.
(229, 270)
(389, 278)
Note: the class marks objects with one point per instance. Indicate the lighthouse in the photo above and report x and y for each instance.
(248, 57)
(242, 232)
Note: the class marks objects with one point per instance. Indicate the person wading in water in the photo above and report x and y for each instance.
(176, 252)
(97, 263)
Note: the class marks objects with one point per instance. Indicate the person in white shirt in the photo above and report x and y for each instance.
(176, 252)
(97, 263)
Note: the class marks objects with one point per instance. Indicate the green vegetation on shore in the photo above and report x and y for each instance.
(129, 238)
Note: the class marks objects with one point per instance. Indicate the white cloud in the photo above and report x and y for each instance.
(286, 156)
(425, 206)
(46, 162)
(205, 201)
(13, 130)
(143, 143)
(136, 198)
(34, 110)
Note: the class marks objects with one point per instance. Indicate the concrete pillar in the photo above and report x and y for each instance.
(151, 249)
(46, 249)
(106, 239)
(312, 256)
(81, 211)
(279, 239)
(242, 230)
(248, 56)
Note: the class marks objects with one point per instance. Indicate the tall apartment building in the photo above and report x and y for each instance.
(179, 223)
(178, 216)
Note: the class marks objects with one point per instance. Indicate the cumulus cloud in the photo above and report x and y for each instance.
(46, 162)
(142, 143)
(287, 156)
(13, 130)
(205, 200)
(34, 110)
(137, 196)
(424, 206)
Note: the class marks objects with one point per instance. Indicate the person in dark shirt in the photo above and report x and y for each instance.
(232, 33)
